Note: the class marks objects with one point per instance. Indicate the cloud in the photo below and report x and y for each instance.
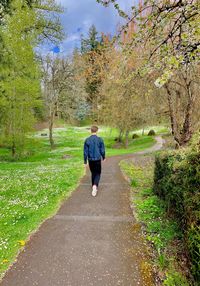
(79, 15)
(72, 38)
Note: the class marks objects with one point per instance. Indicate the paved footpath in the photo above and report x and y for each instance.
(90, 241)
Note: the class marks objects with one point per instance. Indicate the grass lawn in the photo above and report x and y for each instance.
(32, 189)
(158, 129)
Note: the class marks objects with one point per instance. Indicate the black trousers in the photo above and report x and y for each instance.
(95, 168)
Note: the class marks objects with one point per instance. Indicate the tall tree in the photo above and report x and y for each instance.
(74, 105)
(56, 74)
(125, 100)
(92, 42)
(91, 49)
(20, 84)
(64, 90)
(22, 30)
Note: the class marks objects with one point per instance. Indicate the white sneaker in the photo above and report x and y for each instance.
(94, 191)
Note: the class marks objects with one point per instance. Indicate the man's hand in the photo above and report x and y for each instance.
(86, 165)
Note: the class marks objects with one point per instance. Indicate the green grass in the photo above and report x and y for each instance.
(33, 187)
(158, 129)
(69, 140)
(161, 231)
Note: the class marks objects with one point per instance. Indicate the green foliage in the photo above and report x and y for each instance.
(20, 85)
(20, 89)
(48, 23)
(195, 142)
(161, 230)
(82, 110)
(91, 43)
(92, 51)
(5, 6)
(162, 261)
(134, 183)
(171, 50)
(177, 182)
(134, 146)
(175, 279)
(116, 5)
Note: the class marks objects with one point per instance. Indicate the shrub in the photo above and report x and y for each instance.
(118, 139)
(177, 182)
(152, 133)
(135, 136)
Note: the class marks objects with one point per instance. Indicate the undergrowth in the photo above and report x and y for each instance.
(162, 232)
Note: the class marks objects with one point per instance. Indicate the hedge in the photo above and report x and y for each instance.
(177, 182)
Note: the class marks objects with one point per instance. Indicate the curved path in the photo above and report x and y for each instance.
(91, 241)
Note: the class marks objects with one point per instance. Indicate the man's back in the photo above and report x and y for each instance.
(94, 148)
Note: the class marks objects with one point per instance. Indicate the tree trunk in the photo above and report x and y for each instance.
(126, 139)
(143, 131)
(186, 132)
(181, 135)
(174, 126)
(51, 122)
(13, 148)
(121, 133)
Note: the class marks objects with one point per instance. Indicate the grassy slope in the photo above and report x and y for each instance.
(32, 189)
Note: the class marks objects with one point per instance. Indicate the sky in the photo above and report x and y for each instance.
(79, 15)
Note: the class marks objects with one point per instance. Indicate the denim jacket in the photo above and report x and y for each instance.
(94, 149)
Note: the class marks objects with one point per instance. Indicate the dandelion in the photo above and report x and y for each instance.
(22, 242)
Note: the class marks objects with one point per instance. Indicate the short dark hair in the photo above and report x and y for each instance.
(94, 129)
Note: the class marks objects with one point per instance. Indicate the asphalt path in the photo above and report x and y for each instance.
(90, 241)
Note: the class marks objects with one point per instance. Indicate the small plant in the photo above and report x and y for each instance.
(151, 133)
(162, 261)
(134, 183)
(135, 136)
(175, 279)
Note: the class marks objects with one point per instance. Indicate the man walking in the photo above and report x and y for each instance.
(94, 150)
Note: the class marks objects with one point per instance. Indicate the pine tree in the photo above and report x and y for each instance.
(92, 49)
(92, 42)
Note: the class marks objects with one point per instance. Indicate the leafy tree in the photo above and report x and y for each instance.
(24, 25)
(56, 73)
(168, 33)
(183, 102)
(64, 90)
(77, 108)
(48, 21)
(125, 102)
(20, 84)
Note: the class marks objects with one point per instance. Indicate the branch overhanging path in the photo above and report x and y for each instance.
(90, 241)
